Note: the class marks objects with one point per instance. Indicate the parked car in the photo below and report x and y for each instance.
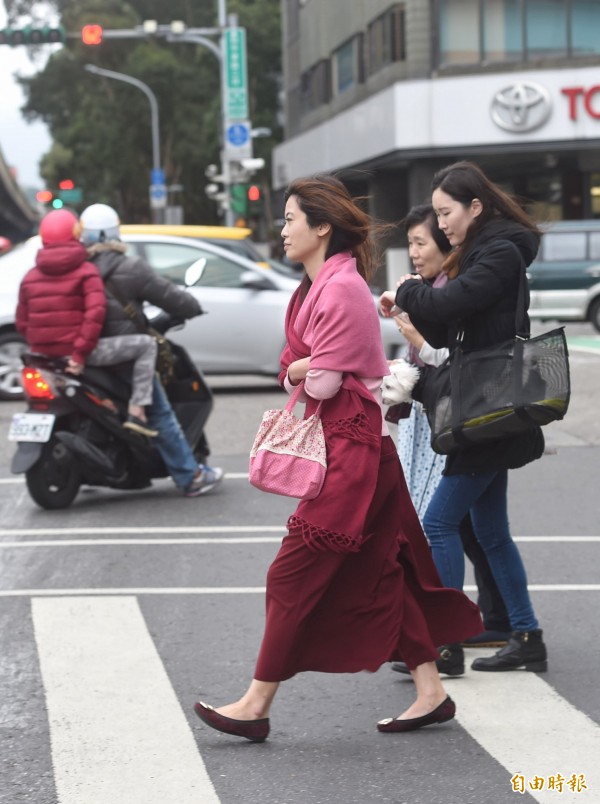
(233, 238)
(564, 279)
(243, 332)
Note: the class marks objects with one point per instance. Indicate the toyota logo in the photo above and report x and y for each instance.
(523, 106)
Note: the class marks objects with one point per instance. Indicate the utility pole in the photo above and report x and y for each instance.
(157, 190)
(237, 163)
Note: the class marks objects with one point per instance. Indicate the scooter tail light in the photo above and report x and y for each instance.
(35, 385)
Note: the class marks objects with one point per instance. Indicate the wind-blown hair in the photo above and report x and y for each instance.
(465, 181)
(424, 214)
(324, 199)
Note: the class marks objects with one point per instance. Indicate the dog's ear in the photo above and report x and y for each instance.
(398, 385)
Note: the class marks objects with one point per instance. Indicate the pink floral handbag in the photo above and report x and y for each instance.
(288, 456)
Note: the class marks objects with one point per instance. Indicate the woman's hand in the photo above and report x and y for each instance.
(406, 328)
(298, 370)
(387, 303)
(406, 277)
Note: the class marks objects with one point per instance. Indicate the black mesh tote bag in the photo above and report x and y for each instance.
(486, 395)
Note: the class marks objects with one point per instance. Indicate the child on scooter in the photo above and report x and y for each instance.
(61, 310)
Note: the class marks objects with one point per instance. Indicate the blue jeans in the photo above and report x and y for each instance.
(484, 497)
(171, 442)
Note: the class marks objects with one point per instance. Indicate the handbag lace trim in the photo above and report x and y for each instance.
(320, 539)
(355, 428)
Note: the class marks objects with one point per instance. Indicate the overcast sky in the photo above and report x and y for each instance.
(22, 143)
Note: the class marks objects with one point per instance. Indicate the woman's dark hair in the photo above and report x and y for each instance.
(324, 199)
(465, 181)
(424, 214)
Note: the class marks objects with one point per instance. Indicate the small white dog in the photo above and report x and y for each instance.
(397, 386)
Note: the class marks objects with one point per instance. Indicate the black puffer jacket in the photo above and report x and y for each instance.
(137, 283)
(482, 301)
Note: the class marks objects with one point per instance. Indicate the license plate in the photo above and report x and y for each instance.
(31, 427)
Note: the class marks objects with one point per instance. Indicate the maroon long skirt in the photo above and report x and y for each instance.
(346, 612)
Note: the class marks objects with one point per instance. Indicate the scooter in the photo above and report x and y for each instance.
(72, 433)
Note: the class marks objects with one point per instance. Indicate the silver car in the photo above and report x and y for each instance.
(242, 333)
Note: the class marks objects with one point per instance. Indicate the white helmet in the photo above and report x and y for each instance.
(99, 223)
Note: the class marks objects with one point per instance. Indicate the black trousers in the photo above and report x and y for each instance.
(489, 599)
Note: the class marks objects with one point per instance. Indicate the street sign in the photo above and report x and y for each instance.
(238, 142)
(157, 176)
(236, 74)
(238, 134)
(158, 196)
(71, 196)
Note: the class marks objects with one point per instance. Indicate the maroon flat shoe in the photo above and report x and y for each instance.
(445, 711)
(255, 730)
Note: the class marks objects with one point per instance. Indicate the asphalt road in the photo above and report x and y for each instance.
(116, 614)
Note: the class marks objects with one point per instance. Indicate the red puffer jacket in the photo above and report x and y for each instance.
(62, 302)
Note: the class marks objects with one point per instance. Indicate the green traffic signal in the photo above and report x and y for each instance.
(239, 199)
(29, 35)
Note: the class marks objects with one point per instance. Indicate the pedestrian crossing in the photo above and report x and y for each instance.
(119, 734)
(117, 731)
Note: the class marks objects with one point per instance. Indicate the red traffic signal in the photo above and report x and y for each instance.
(66, 184)
(254, 193)
(43, 196)
(91, 34)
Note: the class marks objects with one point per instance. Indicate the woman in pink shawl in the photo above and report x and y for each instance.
(353, 584)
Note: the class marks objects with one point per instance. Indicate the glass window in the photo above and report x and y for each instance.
(386, 39)
(562, 246)
(595, 195)
(585, 27)
(546, 24)
(315, 85)
(502, 30)
(595, 246)
(459, 31)
(172, 260)
(345, 66)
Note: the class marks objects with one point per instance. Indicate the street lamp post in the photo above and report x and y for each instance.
(158, 192)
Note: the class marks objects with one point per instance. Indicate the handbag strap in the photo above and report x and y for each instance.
(522, 330)
(129, 308)
(295, 395)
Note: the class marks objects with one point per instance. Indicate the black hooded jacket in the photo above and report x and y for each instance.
(481, 301)
(136, 283)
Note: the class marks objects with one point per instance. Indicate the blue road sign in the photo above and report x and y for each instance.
(157, 176)
(158, 196)
(238, 134)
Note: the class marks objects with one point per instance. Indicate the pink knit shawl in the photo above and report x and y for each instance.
(337, 323)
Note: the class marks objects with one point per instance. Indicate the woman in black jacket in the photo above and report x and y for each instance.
(493, 240)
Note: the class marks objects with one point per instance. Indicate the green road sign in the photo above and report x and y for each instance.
(72, 196)
(236, 74)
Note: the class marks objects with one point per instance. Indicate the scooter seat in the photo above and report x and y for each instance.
(115, 380)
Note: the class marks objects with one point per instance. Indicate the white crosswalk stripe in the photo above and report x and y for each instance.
(549, 738)
(118, 733)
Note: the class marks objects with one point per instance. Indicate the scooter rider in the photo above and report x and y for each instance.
(136, 282)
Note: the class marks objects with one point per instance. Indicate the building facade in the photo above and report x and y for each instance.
(385, 93)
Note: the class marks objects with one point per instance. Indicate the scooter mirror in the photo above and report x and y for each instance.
(194, 273)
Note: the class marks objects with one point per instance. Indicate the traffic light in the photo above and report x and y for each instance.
(66, 184)
(29, 35)
(44, 196)
(255, 200)
(239, 199)
(58, 203)
(92, 34)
